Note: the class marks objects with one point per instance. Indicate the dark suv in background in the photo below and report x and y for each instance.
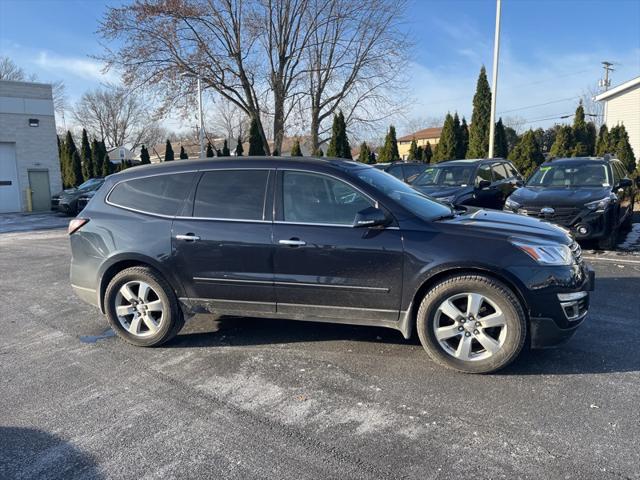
(67, 200)
(405, 171)
(323, 240)
(478, 182)
(593, 197)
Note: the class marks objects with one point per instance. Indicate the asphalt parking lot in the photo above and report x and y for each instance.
(245, 398)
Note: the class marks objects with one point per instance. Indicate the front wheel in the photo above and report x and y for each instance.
(142, 307)
(472, 323)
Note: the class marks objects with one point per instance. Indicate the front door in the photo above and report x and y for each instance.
(9, 189)
(487, 197)
(324, 267)
(224, 250)
(40, 191)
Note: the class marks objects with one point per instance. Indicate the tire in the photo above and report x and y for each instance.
(498, 304)
(152, 322)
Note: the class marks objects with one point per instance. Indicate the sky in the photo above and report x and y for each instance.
(550, 51)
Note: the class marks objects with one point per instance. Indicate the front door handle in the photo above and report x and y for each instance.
(294, 242)
(189, 237)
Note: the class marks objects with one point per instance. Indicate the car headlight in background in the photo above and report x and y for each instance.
(547, 254)
(512, 204)
(600, 205)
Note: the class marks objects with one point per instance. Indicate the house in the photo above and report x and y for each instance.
(622, 107)
(29, 164)
(431, 135)
(118, 154)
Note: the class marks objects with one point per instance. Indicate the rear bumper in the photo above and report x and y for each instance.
(88, 295)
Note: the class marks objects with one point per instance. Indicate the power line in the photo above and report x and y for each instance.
(540, 104)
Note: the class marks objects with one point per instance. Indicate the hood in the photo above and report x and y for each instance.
(439, 191)
(505, 224)
(558, 196)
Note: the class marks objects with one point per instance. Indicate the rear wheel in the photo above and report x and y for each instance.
(471, 323)
(142, 307)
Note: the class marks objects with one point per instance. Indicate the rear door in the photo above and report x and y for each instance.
(323, 266)
(625, 195)
(223, 244)
(487, 197)
(502, 184)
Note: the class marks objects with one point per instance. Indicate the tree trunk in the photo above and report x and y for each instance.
(278, 121)
(315, 129)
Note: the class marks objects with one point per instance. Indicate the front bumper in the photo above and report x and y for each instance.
(583, 223)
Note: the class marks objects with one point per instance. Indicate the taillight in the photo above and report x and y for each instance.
(76, 224)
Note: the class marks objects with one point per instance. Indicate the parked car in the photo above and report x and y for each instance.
(593, 197)
(478, 182)
(323, 240)
(405, 171)
(84, 199)
(67, 200)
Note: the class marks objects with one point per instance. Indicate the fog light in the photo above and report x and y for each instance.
(582, 229)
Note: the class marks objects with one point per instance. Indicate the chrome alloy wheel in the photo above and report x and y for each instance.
(139, 309)
(470, 326)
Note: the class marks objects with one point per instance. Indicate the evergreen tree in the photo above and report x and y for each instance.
(168, 152)
(621, 148)
(464, 135)
(183, 154)
(372, 157)
(76, 169)
(413, 151)
(527, 155)
(255, 141)
(602, 144)
(62, 157)
(447, 145)
(389, 151)
(123, 165)
(500, 146)
(427, 153)
(209, 153)
(106, 166)
(96, 158)
(144, 156)
(218, 152)
(564, 143)
(239, 148)
(513, 138)
(68, 151)
(339, 145)
(365, 153)
(419, 153)
(479, 130)
(459, 136)
(296, 151)
(88, 168)
(225, 149)
(582, 135)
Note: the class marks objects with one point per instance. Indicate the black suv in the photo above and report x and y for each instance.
(67, 200)
(593, 197)
(323, 240)
(477, 182)
(405, 171)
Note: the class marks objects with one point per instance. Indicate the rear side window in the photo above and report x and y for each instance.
(160, 194)
(396, 172)
(511, 170)
(411, 172)
(499, 172)
(231, 194)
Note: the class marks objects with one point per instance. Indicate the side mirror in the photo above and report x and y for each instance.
(482, 184)
(370, 217)
(519, 183)
(625, 183)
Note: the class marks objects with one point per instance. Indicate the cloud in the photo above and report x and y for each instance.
(83, 68)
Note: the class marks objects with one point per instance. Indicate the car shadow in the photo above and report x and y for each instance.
(32, 453)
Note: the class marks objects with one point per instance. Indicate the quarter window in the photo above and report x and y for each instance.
(232, 194)
(160, 194)
(313, 198)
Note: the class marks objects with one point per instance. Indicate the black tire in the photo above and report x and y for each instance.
(172, 320)
(500, 294)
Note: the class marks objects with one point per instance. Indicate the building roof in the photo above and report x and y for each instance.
(424, 134)
(620, 89)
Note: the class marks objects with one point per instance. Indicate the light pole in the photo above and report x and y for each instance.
(200, 116)
(494, 81)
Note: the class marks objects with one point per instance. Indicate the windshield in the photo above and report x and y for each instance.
(414, 201)
(571, 175)
(91, 184)
(450, 176)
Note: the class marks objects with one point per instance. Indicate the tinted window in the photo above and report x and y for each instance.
(499, 172)
(161, 194)
(396, 172)
(312, 198)
(619, 172)
(411, 172)
(483, 173)
(446, 175)
(234, 194)
(511, 171)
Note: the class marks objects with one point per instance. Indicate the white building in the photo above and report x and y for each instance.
(622, 107)
(29, 164)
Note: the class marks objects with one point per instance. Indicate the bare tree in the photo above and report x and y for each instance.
(354, 61)
(228, 120)
(593, 108)
(117, 116)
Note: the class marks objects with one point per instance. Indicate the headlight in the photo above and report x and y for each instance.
(448, 199)
(551, 254)
(598, 204)
(512, 204)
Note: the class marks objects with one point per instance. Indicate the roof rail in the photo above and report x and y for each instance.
(607, 156)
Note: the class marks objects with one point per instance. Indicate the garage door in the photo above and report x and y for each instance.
(9, 189)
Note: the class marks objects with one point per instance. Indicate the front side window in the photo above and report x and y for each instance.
(231, 194)
(159, 194)
(511, 171)
(453, 175)
(499, 172)
(483, 173)
(315, 198)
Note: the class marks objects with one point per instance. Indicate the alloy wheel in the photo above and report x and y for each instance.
(470, 326)
(139, 309)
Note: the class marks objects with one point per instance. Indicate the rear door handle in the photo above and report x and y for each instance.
(294, 242)
(189, 237)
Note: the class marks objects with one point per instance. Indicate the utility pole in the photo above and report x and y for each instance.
(605, 82)
(494, 80)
